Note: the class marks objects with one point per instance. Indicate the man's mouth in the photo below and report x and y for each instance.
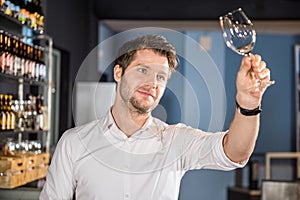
(146, 93)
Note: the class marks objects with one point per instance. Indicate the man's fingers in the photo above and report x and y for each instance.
(255, 60)
(264, 74)
(245, 65)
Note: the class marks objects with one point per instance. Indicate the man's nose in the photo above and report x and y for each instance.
(152, 81)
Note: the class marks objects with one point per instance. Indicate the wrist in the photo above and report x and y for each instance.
(248, 112)
(247, 101)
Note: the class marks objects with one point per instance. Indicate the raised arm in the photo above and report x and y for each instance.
(240, 141)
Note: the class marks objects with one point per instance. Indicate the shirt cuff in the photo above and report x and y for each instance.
(224, 160)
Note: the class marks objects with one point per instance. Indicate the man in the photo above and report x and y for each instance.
(128, 154)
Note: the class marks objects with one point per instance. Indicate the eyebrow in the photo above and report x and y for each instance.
(142, 65)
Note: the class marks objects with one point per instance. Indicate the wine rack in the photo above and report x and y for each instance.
(25, 96)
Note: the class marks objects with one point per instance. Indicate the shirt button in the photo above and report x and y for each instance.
(126, 196)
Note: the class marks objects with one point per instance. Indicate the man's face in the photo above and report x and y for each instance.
(144, 81)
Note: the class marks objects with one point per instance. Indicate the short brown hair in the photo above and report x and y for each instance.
(157, 43)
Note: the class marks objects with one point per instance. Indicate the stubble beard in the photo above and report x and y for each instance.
(142, 110)
(135, 105)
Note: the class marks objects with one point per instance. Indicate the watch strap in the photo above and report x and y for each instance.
(248, 112)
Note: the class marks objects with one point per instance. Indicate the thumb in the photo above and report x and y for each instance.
(246, 65)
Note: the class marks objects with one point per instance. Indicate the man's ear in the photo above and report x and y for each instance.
(117, 73)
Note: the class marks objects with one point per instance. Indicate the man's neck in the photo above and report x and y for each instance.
(127, 120)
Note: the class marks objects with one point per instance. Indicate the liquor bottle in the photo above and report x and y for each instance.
(29, 11)
(2, 113)
(22, 58)
(12, 8)
(33, 112)
(34, 15)
(32, 61)
(26, 59)
(1, 4)
(2, 51)
(41, 64)
(8, 57)
(5, 52)
(14, 55)
(12, 113)
(39, 15)
(20, 111)
(18, 61)
(22, 13)
(35, 76)
(40, 116)
(7, 112)
(36, 60)
(7, 8)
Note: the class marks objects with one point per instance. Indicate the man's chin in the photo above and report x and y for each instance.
(145, 107)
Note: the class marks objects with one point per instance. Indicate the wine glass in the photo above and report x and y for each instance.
(240, 36)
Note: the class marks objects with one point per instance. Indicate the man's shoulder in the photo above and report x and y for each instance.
(95, 126)
(78, 138)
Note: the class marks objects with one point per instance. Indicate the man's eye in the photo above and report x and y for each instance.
(142, 70)
(161, 78)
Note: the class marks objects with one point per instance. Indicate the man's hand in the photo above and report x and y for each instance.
(243, 131)
(253, 70)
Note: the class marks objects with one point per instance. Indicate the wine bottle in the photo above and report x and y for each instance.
(12, 114)
(2, 51)
(2, 114)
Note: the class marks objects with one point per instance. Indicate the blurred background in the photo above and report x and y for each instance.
(79, 28)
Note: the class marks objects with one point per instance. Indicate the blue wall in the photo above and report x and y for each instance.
(204, 75)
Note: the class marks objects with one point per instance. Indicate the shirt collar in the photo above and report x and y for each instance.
(108, 121)
(152, 126)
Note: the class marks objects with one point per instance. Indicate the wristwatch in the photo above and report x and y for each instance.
(247, 112)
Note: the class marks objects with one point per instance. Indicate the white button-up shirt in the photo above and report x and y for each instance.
(98, 161)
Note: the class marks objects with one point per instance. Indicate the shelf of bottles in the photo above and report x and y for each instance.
(23, 63)
(25, 93)
(21, 60)
(24, 12)
(27, 116)
(24, 88)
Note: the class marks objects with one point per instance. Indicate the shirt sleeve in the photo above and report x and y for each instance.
(203, 150)
(60, 182)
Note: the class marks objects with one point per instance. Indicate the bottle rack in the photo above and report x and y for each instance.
(19, 73)
(30, 165)
(24, 13)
